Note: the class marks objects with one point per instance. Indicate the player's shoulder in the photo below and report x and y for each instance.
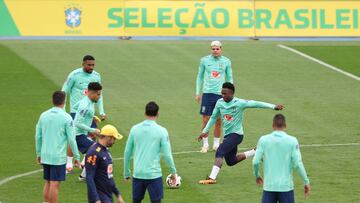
(266, 137)
(75, 72)
(292, 138)
(224, 58)
(205, 58)
(95, 73)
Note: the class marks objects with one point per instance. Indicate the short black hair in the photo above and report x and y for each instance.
(229, 85)
(151, 109)
(88, 57)
(95, 86)
(279, 121)
(58, 98)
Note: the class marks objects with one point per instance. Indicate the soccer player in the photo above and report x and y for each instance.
(231, 110)
(76, 88)
(54, 131)
(147, 140)
(85, 112)
(99, 168)
(214, 70)
(280, 153)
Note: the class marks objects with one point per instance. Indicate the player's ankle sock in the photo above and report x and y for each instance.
(83, 173)
(83, 161)
(69, 161)
(214, 172)
(216, 141)
(205, 141)
(249, 153)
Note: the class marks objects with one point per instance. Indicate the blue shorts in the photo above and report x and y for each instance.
(54, 172)
(228, 148)
(208, 103)
(83, 143)
(274, 197)
(154, 187)
(93, 124)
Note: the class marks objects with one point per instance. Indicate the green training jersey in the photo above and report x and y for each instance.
(54, 131)
(232, 114)
(146, 142)
(213, 72)
(84, 116)
(76, 86)
(281, 154)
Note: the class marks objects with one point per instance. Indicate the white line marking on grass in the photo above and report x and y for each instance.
(319, 62)
(6, 180)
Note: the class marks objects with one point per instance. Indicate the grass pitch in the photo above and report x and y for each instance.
(322, 107)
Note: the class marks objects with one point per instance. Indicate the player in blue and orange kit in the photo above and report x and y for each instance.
(99, 168)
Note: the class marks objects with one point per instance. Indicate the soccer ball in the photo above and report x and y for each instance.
(177, 183)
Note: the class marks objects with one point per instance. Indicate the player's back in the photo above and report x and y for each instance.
(52, 124)
(147, 137)
(278, 150)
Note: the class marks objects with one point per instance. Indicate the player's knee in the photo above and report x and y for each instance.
(230, 162)
(219, 154)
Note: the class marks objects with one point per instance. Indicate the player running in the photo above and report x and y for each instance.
(99, 168)
(214, 70)
(280, 153)
(76, 88)
(85, 112)
(231, 110)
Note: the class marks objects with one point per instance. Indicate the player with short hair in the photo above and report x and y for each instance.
(75, 87)
(280, 153)
(214, 70)
(146, 142)
(99, 168)
(85, 112)
(54, 131)
(231, 110)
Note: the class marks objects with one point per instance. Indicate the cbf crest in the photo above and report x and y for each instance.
(73, 16)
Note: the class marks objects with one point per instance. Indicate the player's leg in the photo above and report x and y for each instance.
(57, 174)
(269, 197)
(69, 160)
(205, 140)
(217, 134)
(230, 142)
(217, 128)
(138, 190)
(155, 189)
(70, 155)
(286, 197)
(46, 173)
(54, 191)
(83, 143)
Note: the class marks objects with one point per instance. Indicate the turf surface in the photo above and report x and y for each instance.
(321, 106)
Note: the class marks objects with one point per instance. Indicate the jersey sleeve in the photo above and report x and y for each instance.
(258, 104)
(256, 162)
(213, 118)
(297, 162)
(228, 73)
(80, 118)
(38, 138)
(100, 103)
(91, 162)
(70, 133)
(200, 77)
(68, 84)
(128, 154)
(165, 149)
